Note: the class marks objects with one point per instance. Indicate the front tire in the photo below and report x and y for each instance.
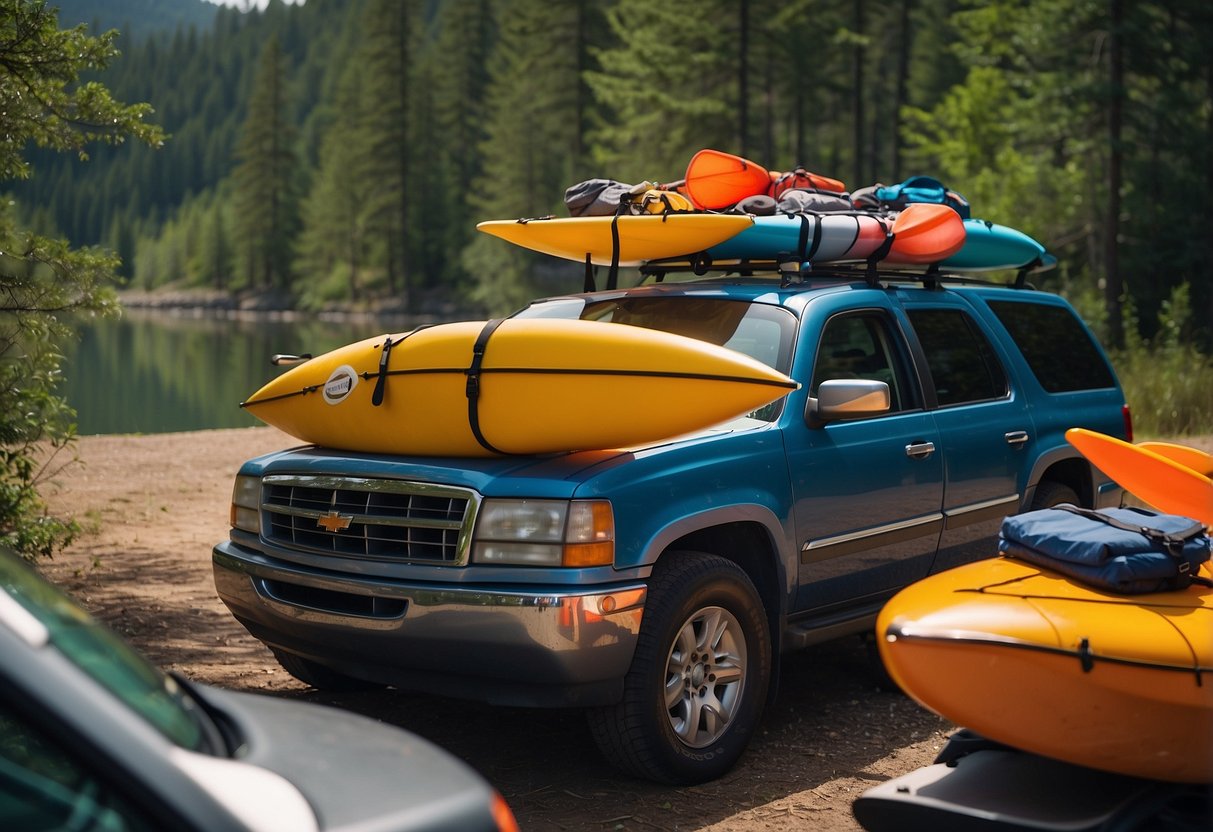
(695, 690)
(1050, 493)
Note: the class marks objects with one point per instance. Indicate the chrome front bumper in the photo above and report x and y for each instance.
(564, 647)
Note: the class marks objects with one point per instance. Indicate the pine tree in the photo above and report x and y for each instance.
(669, 87)
(1168, 157)
(390, 46)
(122, 242)
(432, 239)
(1056, 125)
(334, 213)
(265, 195)
(452, 84)
(214, 253)
(536, 134)
(805, 118)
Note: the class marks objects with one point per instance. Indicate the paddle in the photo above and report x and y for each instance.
(1199, 461)
(717, 180)
(1163, 483)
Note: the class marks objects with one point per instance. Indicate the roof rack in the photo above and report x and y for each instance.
(793, 272)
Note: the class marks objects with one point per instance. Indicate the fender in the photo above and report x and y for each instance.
(1049, 458)
(781, 539)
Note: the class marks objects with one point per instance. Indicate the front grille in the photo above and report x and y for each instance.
(386, 520)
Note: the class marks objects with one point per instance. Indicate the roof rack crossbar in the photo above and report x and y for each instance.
(933, 276)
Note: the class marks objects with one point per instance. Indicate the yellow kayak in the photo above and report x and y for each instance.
(1028, 658)
(641, 237)
(514, 386)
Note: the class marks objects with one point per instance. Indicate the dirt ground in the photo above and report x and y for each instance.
(152, 507)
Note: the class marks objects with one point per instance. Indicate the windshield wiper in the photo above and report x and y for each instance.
(220, 737)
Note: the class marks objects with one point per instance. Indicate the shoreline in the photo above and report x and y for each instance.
(277, 306)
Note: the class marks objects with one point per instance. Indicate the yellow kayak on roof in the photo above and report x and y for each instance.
(514, 386)
(1028, 658)
(641, 237)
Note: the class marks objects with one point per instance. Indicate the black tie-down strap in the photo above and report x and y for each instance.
(381, 381)
(1173, 542)
(806, 248)
(879, 254)
(613, 272)
(381, 376)
(473, 382)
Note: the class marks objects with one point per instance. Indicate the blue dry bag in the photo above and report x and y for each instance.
(920, 189)
(1124, 550)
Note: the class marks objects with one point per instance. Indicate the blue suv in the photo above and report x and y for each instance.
(928, 410)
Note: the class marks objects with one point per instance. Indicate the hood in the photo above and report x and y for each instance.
(555, 476)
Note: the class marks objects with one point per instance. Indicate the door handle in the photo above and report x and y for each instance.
(920, 450)
(1016, 437)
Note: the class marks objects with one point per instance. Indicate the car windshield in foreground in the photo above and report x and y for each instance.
(758, 330)
(102, 655)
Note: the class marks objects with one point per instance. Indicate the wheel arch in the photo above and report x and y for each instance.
(1068, 469)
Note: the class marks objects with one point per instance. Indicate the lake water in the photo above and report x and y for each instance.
(159, 373)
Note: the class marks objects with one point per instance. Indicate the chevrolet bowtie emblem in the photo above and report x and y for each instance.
(334, 522)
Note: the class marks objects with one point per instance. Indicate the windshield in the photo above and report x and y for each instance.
(104, 656)
(758, 330)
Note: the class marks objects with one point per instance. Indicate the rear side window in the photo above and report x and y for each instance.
(962, 362)
(1056, 345)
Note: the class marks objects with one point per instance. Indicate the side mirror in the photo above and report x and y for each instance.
(851, 398)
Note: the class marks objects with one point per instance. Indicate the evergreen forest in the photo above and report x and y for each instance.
(340, 152)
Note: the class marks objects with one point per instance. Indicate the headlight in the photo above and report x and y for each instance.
(246, 504)
(545, 533)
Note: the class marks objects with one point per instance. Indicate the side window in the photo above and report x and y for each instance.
(858, 345)
(43, 787)
(962, 362)
(1058, 348)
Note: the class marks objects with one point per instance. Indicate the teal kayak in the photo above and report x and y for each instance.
(824, 238)
(989, 246)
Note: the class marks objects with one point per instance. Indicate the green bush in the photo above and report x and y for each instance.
(43, 281)
(1168, 382)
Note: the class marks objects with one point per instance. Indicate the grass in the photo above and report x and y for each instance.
(1168, 381)
(1170, 389)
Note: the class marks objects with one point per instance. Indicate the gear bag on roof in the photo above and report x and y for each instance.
(914, 189)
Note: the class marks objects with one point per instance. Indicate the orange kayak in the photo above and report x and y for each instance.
(1030, 659)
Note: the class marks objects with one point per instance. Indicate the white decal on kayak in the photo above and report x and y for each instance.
(340, 384)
